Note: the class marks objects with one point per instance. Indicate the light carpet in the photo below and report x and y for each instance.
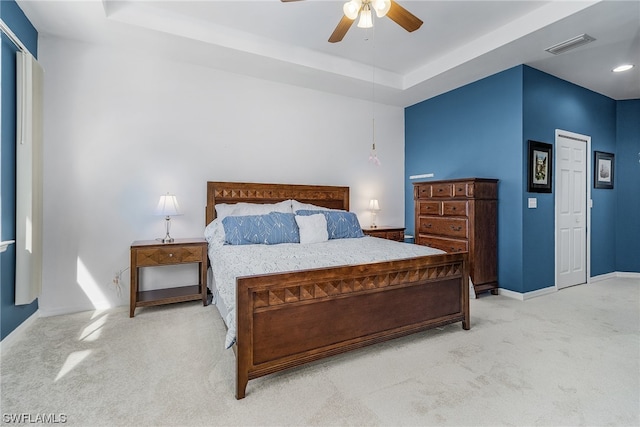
(568, 358)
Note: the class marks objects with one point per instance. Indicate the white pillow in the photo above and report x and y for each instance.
(313, 228)
(299, 206)
(224, 210)
(214, 233)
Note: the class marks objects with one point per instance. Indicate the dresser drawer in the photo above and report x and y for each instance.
(460, 189)
(442, 190)
(444, 244)
(422, 191)
(454, 208)
(429, 208)
(161, 256)
(455, 227)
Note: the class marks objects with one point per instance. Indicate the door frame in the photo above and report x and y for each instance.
(587, 140)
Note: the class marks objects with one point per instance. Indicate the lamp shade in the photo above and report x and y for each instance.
(366, 20)
(168, 206)
(374, 205)
(351, 8)
(381, 7)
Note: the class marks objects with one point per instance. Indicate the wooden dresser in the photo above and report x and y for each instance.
(461, 215)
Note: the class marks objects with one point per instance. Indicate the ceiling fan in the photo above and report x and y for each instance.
(390, 8)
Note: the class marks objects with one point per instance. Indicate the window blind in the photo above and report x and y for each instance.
(29, 82)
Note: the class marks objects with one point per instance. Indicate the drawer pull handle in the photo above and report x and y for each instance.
(458, 228)
(170, 255)
(428, 225)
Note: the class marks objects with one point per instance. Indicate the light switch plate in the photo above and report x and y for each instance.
(533, 203)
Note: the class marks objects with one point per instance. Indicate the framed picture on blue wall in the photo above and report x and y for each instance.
(603, 169)
(540, 167)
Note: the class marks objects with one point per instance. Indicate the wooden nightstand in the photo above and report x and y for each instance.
(391, 233)
(152, 253)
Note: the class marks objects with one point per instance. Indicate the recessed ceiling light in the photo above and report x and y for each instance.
(622, 68)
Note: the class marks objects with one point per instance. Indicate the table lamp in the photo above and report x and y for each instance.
(168, 207)
(374, 207)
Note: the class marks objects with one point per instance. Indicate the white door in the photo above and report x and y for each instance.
(572, 178)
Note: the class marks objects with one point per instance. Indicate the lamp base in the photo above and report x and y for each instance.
(167, 238)
(373, 220)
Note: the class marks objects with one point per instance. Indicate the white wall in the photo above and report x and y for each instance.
(121, 129)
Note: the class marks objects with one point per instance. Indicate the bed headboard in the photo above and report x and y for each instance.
(234, 192)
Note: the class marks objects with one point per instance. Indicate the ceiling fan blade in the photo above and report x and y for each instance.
(340, 31)
(403, 17)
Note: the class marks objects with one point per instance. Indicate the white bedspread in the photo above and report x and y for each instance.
(229, 262)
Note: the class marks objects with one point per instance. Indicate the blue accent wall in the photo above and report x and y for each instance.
(549, 104)
(627, 182)
(474, 131)
(11, 316)
(482, 129)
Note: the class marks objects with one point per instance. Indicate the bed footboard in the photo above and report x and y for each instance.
(288, 319)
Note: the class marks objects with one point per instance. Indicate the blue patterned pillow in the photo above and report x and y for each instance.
(270, 229)
(340, 224)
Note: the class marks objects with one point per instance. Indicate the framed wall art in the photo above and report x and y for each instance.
(540, 167)
(603, 169)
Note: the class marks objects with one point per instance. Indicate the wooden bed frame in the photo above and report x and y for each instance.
(288, 319)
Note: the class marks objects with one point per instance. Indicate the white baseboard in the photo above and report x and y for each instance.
(603, 277)
(527, 295)
(6, 343)
(551, 289)
(48, 312)
(614, 275)
(628, 275)
(63, 310)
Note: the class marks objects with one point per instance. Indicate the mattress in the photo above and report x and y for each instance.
(231, 261)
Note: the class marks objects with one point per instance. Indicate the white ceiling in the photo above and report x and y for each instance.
(459, 42)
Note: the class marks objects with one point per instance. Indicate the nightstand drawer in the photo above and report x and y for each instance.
(395, 235)
(389, 233)
(455, 227)
(168, 256)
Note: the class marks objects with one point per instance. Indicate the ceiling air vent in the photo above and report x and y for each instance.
(572, 43)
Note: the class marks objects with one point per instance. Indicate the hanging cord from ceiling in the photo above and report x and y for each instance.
(373, 155)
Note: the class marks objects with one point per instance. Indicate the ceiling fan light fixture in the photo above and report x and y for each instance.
(351, 8)
(381, 7)
(366, 20)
